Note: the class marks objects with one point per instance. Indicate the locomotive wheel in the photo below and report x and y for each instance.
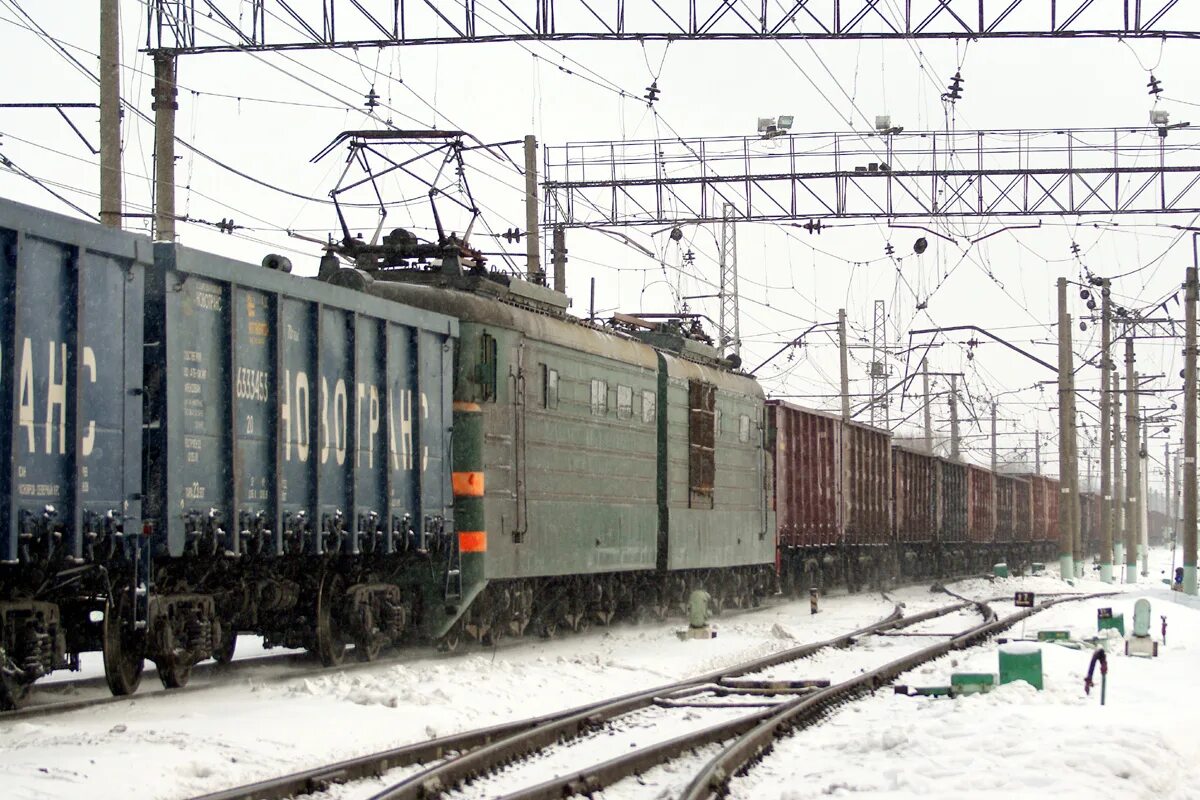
(223, 654)
(174, 673)
(368, 649)
(124, 649)
(331, 642)
(13, 690)
(451, 639)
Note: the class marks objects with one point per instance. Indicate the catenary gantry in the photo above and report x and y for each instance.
(191, 26)
(1001, 173)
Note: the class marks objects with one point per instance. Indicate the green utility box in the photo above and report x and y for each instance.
(1114, 621)
(972, 682)
(1000, 570)
(1021, 661)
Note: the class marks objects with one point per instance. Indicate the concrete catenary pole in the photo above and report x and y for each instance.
(1189, 434)
(1073, 472)
(1037, 452)
(1118, 461)
(110, 114)
(1106, 488)
(1066, 540)
(954, 418)
(928, 406)
(1143, 499)
(165, 105)
(995, 460)
(1131, 464)
(533, 241)
(844, 364)
(559, 258)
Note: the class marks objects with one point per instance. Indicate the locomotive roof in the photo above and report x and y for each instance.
(564, 332)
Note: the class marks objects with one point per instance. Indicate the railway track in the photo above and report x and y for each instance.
(451, 761)
(210, 675)
(47, 699)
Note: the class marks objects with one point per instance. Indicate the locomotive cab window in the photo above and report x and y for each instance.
(702, 399)
(549, 387)
(599, 397)
(624, 402)
(487, 367)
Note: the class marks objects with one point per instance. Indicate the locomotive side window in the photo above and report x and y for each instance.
(599, 397)
(549, 387)
(702, 399)
(716, 422)
(487, 367)
(648, 407)
(743, 428)
(624, 402)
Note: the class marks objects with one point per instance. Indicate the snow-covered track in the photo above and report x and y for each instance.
(455, 759)
(750, 746)
(442, 778)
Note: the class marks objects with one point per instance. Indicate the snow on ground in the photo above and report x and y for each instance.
(250, 729)
(1014, 742)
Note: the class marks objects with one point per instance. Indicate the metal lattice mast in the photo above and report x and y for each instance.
(730, 333)
(879, 409)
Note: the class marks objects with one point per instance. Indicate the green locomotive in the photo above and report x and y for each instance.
(613, 471)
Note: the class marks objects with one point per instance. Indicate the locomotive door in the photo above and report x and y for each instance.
(519, 439)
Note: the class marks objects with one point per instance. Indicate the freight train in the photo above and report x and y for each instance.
(408, 446)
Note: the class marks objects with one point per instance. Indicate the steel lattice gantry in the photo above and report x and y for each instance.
(1009, 173)
(194, 26)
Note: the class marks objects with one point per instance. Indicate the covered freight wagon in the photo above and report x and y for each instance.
(1014, 519)
(1045, 495)
(71, 376)
(953, 552)
(832, 496)
(981, 509)
(916, 484)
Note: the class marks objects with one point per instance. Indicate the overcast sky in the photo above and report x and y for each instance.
(266, 115)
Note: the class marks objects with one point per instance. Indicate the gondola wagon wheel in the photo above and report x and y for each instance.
(331, 642)
(123, 647)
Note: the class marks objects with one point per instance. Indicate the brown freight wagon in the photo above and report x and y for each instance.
(832, 495)
(954, 552)
(916, 483)
(1022, 510)
(981, 505)
(1006, 503)
(952, 522)
(1045, 516)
